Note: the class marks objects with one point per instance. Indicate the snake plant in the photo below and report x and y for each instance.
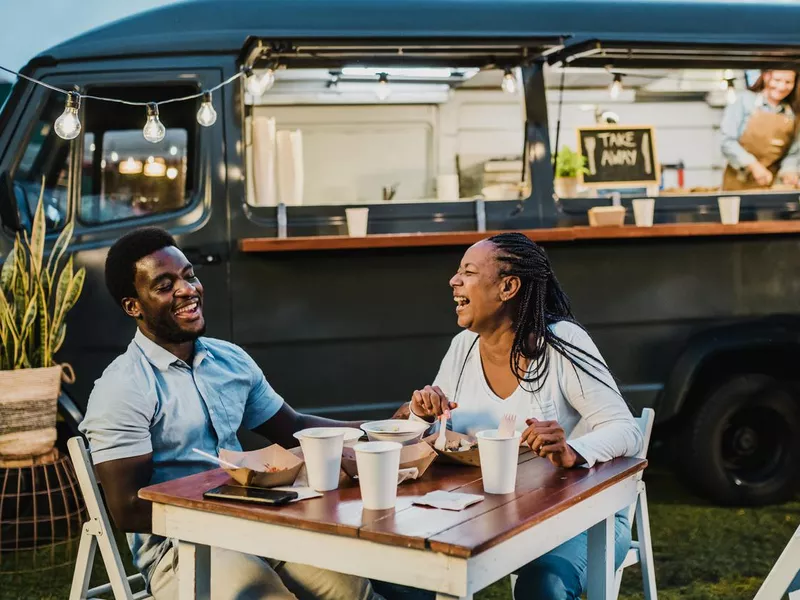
(35, 296)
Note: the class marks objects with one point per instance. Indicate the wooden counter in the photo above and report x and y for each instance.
(556, 234)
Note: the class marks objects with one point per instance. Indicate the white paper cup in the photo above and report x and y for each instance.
(499, 458)
(447, 187)
(357, 221)
(322, 452)
(378, 464)
(643, 210)
(729, 209)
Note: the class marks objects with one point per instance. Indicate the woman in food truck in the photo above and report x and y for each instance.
(760, 134)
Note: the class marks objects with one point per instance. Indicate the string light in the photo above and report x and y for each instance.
(616, 86)
(509, 85)
(206, 115)
(725, 77)
(154, 130)
(384, 91)
(68, 125)
(730, 94)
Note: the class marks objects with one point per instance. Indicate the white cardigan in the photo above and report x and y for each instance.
(598, 424)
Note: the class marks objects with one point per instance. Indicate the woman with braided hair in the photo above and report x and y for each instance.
(523, 352)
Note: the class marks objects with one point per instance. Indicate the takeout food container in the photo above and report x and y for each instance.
(403, 431)
(253, 471)
(602, 216)
(419, 455)
(463, 457)
(471, 457)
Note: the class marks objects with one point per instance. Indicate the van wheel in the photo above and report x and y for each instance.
(742, 446)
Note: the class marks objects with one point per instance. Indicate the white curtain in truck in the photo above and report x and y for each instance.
(290, 167)
(264, 158)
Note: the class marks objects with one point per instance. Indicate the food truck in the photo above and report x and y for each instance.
(446, 120)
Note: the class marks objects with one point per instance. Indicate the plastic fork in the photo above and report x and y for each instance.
(507, 423)
(441, 440)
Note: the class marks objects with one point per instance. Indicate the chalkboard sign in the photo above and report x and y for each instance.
(619, 156)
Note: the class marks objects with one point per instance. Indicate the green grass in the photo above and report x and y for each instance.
(702, 552)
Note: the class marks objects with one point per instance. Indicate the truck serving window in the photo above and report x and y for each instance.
(125, 176)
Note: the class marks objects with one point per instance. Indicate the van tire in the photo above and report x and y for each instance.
(742, 445)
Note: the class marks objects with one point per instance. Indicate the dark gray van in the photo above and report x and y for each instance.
(704, 328)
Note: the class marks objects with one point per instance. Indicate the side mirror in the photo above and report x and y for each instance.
(9, 215)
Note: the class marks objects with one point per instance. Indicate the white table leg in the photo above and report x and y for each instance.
(601, 560)
(194, 571)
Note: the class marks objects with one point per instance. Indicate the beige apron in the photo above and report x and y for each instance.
(767, 136)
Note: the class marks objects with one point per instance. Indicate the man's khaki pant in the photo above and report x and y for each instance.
(237, 576)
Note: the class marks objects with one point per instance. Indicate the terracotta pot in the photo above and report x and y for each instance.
(28, 407)
(566, 187)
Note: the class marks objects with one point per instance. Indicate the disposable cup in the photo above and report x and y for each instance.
(643, 209)
(322, 452)
(357, 221)
(378, 464)
(729, 209)
(499, 456)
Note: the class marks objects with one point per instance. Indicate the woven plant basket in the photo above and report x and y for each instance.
(28, 407)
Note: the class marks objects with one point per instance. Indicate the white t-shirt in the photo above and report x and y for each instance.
(598, 423)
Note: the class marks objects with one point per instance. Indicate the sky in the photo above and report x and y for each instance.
(30, 26)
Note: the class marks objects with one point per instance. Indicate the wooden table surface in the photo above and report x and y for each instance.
(542, 491)
(553, 234)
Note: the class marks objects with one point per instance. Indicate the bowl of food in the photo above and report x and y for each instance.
(395, 430)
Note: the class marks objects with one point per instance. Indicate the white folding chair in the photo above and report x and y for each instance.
(97, 532)
(641, 550)
(783, 572)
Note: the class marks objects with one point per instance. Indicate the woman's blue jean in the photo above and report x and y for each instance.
(558, 575)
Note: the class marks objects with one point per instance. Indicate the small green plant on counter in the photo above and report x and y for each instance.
(35, 298)
(569, 163)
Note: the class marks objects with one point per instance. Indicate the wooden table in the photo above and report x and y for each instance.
(452, 553)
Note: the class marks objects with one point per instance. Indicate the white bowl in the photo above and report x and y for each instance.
(395, 430)
(351, 434)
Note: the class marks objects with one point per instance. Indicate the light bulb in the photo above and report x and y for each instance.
(206, 115)
(68, 125)
(509, 84)
(730, 94)
(384, 91)
(154, 131)
(616, 87)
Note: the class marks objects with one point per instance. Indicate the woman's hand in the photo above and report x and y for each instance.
(430, 402)
(791, 179)
(547, 439)
(761, 174)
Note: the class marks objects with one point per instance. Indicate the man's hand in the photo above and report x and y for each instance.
(790, 179)
(430, 401)
(761, 174)
(547, 439)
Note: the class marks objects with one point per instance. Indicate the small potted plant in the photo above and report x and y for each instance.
(569, 165)
(35, 297)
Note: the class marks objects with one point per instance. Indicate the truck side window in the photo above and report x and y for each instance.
(123, 175)
(45, 155)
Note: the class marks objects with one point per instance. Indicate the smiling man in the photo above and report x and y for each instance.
(174, 390)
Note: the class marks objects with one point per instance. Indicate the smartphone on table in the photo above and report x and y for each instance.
(250, 494)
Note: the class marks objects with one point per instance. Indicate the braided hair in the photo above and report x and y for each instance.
(542, 303)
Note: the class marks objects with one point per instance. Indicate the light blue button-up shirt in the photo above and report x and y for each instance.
(734, 122)
(148, 400)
